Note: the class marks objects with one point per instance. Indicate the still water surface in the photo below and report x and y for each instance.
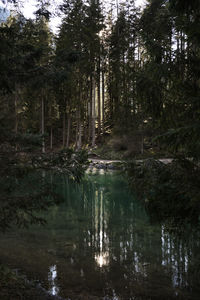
(100, 244)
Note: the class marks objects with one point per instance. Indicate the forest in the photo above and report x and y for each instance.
(116, 82)
(125, 74)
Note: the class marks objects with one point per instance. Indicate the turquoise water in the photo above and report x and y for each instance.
(99, 244)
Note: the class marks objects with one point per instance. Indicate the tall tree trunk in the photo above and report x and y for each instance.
(182, 43)
(90, 109)
(79, 125)
(99, 96)
(178, 41)
(138, 54)
(16, 116)
(42, 123)
(103, 100)
(77, 129)
(79, 142)
(93, 112)
(142, 143)
(51, 138)
(68, 130)
(64, 128)
(117, 5)
(170, 46)
(85, 118)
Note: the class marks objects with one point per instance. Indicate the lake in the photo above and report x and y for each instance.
(99, 243)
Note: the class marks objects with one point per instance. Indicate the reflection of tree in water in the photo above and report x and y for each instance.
(52, 280)
(101, 238)
(127, 256)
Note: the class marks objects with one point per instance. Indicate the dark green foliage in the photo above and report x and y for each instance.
(183, 140)
(170, 192)
(66, 161)
(23, 197)
(122, 68)
(168, 83)
(23, 142)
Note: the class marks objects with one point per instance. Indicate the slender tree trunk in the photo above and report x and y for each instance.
(77, 129)
(103, 100)
(84, 121)
(90, 108)
(79, 125)
(64, 128)
(182, 43)
(178, 42)
(42, 123)
(16, 116)
(93, 112)
(142, 144)
(68, 131)
(99, 97)
(51, 138)
(117, 5)
(139, 61)
(79, 142)
(170, 48)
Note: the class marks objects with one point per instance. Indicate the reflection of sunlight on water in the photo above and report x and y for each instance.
(101, 171)
(102, 259)
(173, 255)
(102, 255)
(52, 277)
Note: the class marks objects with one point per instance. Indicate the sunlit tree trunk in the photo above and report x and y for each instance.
(99, 96)
(93, 111)
(103, 99)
